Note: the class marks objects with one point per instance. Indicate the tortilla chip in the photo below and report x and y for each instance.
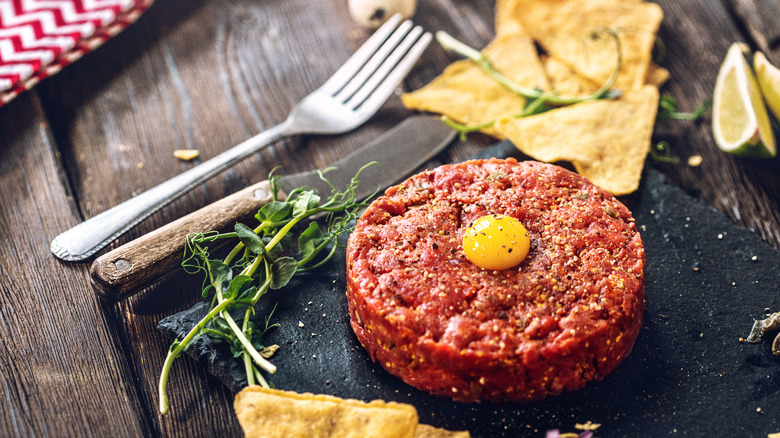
(467, 95)
(564, 29)
(607, 141)
(425, 431)
(506, 22)
(270, 413)
(657, 75)
(565, 81)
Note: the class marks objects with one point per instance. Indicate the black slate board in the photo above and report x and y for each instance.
(688, 375)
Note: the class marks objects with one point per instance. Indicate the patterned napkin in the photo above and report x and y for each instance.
(39, 37)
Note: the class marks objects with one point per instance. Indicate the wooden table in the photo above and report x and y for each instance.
(206, 75)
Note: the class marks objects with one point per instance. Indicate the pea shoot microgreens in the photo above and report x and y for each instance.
(667, 109)
(265, 258)
(538, 101)
(661, 153)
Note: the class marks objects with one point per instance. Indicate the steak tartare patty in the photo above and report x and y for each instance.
(567, 314)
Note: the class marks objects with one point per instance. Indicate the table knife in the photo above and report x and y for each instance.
(149, 258)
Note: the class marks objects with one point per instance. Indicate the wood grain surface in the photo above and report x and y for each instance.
(206, 75)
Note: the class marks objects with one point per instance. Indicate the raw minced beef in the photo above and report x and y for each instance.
(568, 314)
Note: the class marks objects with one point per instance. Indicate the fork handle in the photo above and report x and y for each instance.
(88, 237)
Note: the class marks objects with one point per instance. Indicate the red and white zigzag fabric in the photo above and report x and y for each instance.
(39, 37)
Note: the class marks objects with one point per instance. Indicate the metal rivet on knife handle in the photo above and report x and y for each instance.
(261, 193)
(145, 260)
(123, 265)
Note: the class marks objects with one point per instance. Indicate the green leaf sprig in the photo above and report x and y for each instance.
(667, 109)
(538, 101)
(266, 257)
(661, 153)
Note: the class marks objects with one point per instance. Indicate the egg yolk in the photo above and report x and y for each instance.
(496, 242)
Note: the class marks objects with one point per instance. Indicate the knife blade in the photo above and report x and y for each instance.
(149, 258)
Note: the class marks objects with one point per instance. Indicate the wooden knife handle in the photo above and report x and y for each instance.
(147, 259)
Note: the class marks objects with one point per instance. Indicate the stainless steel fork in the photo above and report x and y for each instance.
(345, 101)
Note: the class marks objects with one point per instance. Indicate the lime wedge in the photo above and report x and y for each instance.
(740, 123)
(769, 80)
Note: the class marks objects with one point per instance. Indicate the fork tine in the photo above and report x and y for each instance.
(374, 63)
(376, 91)
(361, 55)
